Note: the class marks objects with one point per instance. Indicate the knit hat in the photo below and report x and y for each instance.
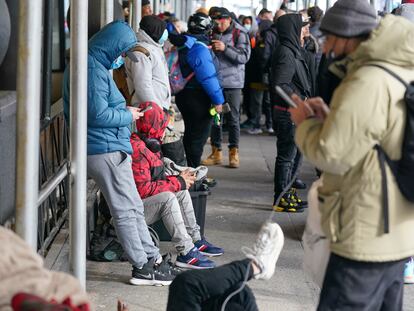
(153, 26)
(350, 18)
(145, 2)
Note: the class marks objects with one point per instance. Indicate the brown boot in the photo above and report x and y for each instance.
(214, 158)
(234, 161)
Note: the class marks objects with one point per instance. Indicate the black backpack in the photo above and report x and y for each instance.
(403, 169)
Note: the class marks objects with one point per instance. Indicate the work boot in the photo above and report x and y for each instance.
(214, 158)
(234, 161)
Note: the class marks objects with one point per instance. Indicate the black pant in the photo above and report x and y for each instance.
(194, 105)
(362, 286)
(288, 157)
(197, 290)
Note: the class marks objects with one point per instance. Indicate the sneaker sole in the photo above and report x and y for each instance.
(210, 255)
(142, 282)
(288, 210)
(187, 266)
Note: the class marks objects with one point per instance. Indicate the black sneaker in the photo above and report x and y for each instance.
(286, 205)
(149, 275)
(295, 198)
(167, 266)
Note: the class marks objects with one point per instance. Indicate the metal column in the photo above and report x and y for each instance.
(136, 16)
(156, 7)
(28, 119)
(78, 136)
(107, 12)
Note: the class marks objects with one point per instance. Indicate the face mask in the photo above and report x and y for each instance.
(117, 63)
(164, 37)
(248, 27)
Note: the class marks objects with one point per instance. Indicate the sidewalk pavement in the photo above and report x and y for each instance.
(236, 209)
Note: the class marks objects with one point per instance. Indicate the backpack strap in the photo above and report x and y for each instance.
(141, 49)
(383, 158)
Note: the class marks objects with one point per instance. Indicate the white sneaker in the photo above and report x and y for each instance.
(266, 249)
(254, 131)
(270, 130)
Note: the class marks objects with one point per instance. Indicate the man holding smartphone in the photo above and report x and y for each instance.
(231, 45)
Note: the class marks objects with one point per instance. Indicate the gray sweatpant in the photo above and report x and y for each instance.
(177, 213)
(112, 173)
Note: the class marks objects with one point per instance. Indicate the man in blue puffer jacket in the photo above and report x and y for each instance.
(109, 151)
(202, 91)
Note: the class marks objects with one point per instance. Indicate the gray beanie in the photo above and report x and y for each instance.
(350, 18)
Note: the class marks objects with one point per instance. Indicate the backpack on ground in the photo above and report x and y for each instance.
(177, 80)
(402, 169)
(120, 76)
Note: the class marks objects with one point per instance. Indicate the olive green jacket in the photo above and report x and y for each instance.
(366, 109)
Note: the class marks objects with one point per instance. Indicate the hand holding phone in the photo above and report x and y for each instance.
(285, 97)
(149, 107)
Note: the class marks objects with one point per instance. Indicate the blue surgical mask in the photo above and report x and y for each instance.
(248, 27)
(117, 63)
(164, 37)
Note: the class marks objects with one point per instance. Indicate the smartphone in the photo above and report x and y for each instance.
(285, 97)
(149, 107)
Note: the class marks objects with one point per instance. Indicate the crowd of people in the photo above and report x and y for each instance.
(217, 67)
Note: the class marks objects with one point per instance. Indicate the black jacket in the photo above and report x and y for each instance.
(270, 39)
(290, 64)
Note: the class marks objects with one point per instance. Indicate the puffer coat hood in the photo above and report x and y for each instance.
(154, 122)
(393, 31)
(110, 42)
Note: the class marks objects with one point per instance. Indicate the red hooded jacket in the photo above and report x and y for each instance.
(148, 166)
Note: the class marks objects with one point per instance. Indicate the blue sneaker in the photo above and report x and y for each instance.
(194, 260)
(208, 249)
(409, 272)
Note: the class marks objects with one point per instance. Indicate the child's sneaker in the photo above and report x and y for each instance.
(409, 272)
(266, 249)
(149, 275)
(295, 198)
(194, 260)
(208, 249)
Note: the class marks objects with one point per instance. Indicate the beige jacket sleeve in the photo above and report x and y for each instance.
(356, 123)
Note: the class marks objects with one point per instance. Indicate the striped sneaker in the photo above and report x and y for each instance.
(208, 249)
(194, 260)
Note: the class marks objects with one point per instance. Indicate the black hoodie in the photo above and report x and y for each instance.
(289, 68)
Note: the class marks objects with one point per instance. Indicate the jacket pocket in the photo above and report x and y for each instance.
(330, 207)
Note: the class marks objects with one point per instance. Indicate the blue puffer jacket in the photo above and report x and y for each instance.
(108, 118)
(198, 59)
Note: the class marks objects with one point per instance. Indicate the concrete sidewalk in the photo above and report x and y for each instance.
(238, 206)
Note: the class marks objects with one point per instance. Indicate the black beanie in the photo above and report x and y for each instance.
(153, 26)
(145, 2)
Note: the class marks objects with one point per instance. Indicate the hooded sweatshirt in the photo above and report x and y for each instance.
(148, 165)
(289, 69)
(367, 108)
(108, 118)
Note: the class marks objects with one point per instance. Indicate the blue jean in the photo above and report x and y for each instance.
(112, 172)
(288, 157)
(233, 97)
